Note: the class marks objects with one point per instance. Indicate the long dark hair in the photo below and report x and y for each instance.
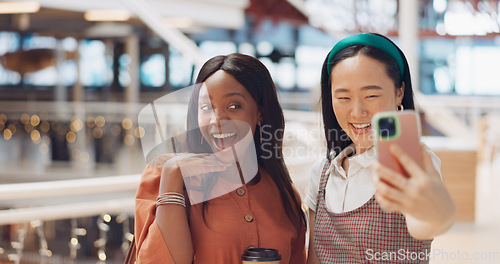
(336, 138)
(255, 77)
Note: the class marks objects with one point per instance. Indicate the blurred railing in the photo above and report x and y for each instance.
(31, 205)
(74, 194)
(39, 202)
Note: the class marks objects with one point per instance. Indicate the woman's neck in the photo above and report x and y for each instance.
(361, 150)
(357, 151)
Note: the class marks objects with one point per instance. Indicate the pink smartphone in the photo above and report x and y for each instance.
(401, 128)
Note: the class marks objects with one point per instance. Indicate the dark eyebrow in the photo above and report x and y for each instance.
(224, 96)
(341, 90)
(369, 87)
(234, 94)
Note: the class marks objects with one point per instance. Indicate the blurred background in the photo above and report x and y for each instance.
(75, 74)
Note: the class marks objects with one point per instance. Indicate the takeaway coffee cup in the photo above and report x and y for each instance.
(260, 256)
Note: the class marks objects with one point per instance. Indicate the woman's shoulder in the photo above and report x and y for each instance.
(315, 174)
(150, 182)
(318, 166)
(153, 169)
(151, 173)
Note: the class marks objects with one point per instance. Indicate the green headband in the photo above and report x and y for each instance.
(368, 40)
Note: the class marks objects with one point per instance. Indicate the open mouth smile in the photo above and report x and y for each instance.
(223, 141)
(361, 128)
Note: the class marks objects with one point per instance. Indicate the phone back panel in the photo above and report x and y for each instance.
(407, 137)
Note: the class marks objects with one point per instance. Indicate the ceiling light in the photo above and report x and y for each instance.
(19, 7)
(107, 15)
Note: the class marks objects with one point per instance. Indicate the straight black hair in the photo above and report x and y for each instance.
(337, 140)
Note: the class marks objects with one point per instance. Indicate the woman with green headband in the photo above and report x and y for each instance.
(361, 211)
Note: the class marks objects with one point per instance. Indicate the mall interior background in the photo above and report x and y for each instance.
(72, 85)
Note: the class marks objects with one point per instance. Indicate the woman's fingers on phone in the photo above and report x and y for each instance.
(390, 176)
(405, 160)
(389, 192)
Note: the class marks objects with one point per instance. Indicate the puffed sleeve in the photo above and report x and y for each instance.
(315, 175)
(151, 247)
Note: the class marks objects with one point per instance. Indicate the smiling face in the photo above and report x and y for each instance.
(361, 88)
(226, 111)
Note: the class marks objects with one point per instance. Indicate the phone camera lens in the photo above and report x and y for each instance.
(387, 127)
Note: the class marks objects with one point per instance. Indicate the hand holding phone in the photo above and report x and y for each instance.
(429, 214)
(397, 127)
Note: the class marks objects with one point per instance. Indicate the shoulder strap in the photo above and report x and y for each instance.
(322, 184)
(131, 253)
(324, 175)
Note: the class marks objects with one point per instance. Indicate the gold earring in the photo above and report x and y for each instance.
(260, 131)
(400, 107)
(201, 143)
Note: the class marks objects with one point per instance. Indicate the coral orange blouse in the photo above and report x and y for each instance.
(251, 216)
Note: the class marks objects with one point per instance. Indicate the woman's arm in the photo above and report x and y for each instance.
(162, 233)
(172, 219)
(311, 255)
(423, 198)
(150, 248)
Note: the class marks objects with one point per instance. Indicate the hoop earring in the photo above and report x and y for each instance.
(400, 107)
(260, 131)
